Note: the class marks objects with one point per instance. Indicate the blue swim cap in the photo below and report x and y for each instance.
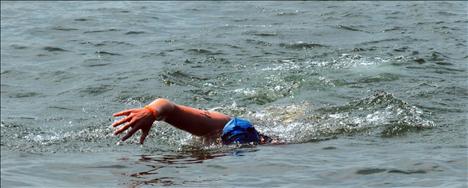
(239, 130)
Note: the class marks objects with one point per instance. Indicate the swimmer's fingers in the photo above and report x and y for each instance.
(132, 131)
(125, 127)
(124, 113)
(123, 120)
(144, 134)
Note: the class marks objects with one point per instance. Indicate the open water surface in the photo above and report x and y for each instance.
(365, 94)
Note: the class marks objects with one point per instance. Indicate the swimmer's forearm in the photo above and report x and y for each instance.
(195, 121)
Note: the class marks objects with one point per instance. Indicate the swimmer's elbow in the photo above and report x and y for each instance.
(162, 105)
(162, 101)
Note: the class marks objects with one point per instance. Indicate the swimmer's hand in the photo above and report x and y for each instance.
(138, 118)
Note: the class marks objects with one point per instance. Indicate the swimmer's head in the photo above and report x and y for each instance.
(239, 131)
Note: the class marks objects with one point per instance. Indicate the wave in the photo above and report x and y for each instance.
(54, 49)
(301, 45)
(101, 31)
(200, 51)
(351, 28)
(135, 32)
(107, 53)
(110, 43)
(62, 28)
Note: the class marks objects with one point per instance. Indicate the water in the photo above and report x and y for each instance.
(366, 94)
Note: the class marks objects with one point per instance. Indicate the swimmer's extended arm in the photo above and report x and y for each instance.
(195, 121)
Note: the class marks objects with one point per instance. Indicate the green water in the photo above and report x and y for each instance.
(365, 94)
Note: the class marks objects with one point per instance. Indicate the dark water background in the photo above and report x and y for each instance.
(367, 94)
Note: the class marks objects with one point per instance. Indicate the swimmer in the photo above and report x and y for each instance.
(212, 126)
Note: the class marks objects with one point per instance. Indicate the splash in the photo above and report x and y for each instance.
(381, 114)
